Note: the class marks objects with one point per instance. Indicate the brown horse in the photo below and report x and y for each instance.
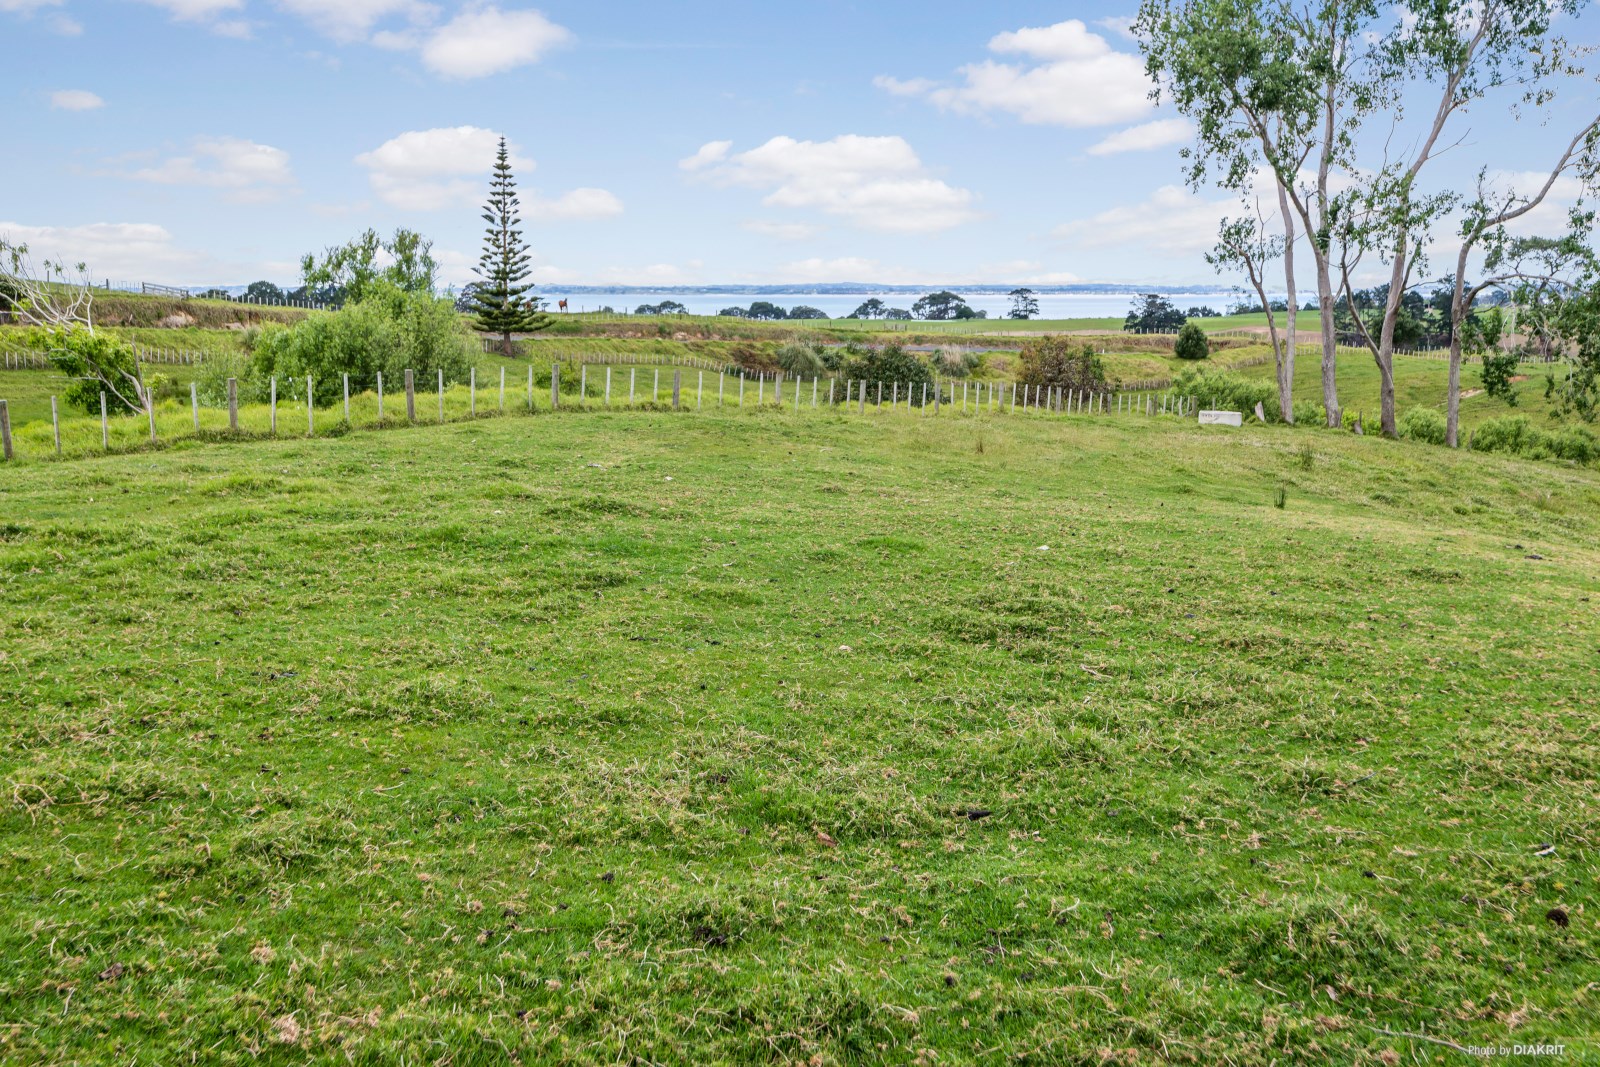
(563, 305)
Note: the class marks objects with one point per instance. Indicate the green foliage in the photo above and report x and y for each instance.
(942, 306)
(800, 360)
(1060, 362)
(390, 331)
(1153, 313)
(887, 364)
(1024, 304)
(1192, 343)
(1499, 368)
(500, 300)
(1226, 391)
(347, 272)
(1424, 424)
(95, 363)
(1517, 435)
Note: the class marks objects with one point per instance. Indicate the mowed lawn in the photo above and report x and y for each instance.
(756, 738)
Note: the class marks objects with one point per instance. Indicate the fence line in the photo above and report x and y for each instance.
(926, 399)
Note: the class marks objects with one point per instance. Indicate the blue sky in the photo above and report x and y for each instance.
(215, 141)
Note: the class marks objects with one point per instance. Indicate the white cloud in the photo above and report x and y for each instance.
(352, 20)
(75, 100)
(427, 170)
(783, 231)
(1076, 80)
(1143, 138)
(876, 183)
(1121, 25)
(578, 205)
(247, 172)
(430, 170)
(483, 41)
(207, 12)
(715, 152)
(1173, 222)
(61, 23)
(1549, 219)
(123, 250)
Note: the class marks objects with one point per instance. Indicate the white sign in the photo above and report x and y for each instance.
(1221, 418)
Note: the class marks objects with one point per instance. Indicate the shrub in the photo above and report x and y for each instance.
(1309, 413)
(1499, 368)
(1192, 343)
(800, 360)
(888, 365)
(1423, 424)
(1517, 435)
(1226, 391)
(1060, 362)
(96, 363)
(389, 331)
(953, 361)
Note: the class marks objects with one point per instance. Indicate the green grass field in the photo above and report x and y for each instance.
(748, 738)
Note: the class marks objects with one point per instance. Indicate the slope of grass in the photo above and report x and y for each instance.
(749, 738)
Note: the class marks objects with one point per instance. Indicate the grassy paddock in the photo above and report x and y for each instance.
(752, 740)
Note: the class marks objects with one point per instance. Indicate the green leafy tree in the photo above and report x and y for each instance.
(887, 365)
(1024, 304)
(1060, 363)
(1154, 313)
(870, 309)
(501, 301)
(806, 312)
(96, 364)
(351, 269)
(263, 292)
(940, 307)
(1192, 342)
(767, 311)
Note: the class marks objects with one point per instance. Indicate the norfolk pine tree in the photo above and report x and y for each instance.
(501, 299)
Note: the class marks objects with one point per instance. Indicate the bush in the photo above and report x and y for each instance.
(1192, 343)
(953, 361)
(1423, 424)
(888, 365)
(800, 360)
(1061, 363)
(1309, 413)
(389, 331)
(1517, 435)
(1226, 391)
(91, 359)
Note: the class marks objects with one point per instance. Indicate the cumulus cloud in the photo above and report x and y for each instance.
(75, 100)
(1171, 222)
(245, 171)
(430, 170)
(876, 183)
(1066, 75)
(484, 41)
(1144, 137)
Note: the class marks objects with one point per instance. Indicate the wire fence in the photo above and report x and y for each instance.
(576, 390)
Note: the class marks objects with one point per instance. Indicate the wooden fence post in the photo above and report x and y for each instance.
(347, 398)
(555, 386)
(721, 375)
(233, 405)
(814, 381)
(502, 390)
(583, 383)
(441, 395)
(380, 396)
(472, 392)
(677, 388)
(608, 386)
(530, 387)
(311, 411)
(655, 388)
(274, 405)
(105, 424)
(55, 424)
(411, 397)
(5, 429)
(194, 403)
(633, 383)
(700, 392)
(150, 410)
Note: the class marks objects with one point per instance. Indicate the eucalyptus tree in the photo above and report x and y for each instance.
(1246, 244)
(1460, 55)
(1279, 88)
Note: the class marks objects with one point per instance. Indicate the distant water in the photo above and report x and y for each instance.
(998, 305)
